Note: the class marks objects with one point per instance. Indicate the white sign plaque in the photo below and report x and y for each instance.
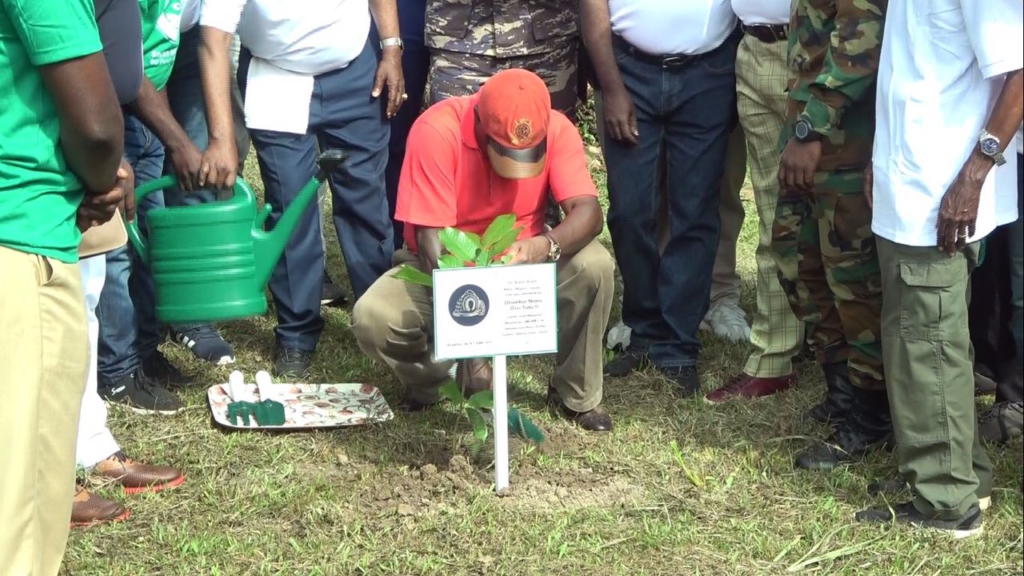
(495, 311)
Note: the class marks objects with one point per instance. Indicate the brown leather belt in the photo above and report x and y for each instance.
(767, 33)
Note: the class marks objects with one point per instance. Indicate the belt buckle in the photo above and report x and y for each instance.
(678, 60)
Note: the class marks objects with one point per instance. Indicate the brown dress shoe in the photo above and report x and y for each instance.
(473, 376)
(137, 477)
(88, 509)
(592, 420)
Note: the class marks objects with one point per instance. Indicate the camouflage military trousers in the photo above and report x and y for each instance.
(828, 267)
(461, 74)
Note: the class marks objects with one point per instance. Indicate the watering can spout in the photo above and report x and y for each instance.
(270, 245)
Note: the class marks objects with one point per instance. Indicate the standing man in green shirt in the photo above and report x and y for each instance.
(63, 120)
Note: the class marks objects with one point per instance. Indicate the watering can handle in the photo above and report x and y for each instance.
(169, 181)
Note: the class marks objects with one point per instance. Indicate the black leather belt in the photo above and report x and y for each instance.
(665, 61)
(767, 33)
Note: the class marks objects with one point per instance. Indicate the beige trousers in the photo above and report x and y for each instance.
(394, 322)
(44, 359)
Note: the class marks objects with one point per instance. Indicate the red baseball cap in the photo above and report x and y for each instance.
(514, 109)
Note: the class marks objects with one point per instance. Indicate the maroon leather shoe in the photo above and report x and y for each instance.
(135, 477)
(743, 386)
(88, 509)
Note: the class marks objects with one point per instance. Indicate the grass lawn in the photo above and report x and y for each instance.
(414, 496)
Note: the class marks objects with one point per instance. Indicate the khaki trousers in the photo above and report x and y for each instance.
(776, 334)
(394, 322)
(930, 377)
(44, 358)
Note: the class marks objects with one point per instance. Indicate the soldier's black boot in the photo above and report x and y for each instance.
(838, 395)
(866, 427)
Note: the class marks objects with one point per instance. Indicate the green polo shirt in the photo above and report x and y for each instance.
(39, 195)
(161, 24)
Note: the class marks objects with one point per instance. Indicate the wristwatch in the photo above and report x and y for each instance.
(392, 42)
(804, 132)
(555, 252)
(991, 147)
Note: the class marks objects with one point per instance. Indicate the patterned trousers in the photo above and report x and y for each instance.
(776, 334)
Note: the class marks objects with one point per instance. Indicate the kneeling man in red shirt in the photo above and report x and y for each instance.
(469, 160)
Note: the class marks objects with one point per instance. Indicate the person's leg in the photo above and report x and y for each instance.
(929, 374)
(349, 119)
(415, 67)
(95, 442)
(185, 96)
(44, 371)
(634, 198)
(392, 323)
(1017, 263)
(457, 74)
(725, 281)
(559, 68)
(586, 285)
(701, 111)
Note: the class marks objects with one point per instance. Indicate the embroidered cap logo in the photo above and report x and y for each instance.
(522, 132)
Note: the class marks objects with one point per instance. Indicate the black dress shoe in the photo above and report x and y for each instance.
(292, 362)
(412, 406)
(332, 294)
(592, 420)
(687, 380)
(626, 363)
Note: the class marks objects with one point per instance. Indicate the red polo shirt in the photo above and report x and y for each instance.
(447, 180)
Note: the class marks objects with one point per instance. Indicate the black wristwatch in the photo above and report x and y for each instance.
(804, 132)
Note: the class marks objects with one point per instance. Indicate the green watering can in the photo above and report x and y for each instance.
(211, 262)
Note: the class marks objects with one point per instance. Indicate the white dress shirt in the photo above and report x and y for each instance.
(303, 36)
(942, 67)
(761, 12)
(666, 27)
(189, 14)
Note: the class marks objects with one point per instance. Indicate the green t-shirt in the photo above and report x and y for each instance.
(39, 195)
(161, 24)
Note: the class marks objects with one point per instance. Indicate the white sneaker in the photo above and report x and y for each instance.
(729, 321)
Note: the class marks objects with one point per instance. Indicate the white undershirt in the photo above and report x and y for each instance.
(308, 37)
(942, 67)
(760, 12)
(664, 27)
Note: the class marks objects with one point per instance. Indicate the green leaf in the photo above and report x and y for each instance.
(451, 391)
(476, 239)
(446, 261)
(483, 399)
(414, 275)
(498, 229)
(479, 424)
(504, 242)
(483, 259)
(459, 244)
(505, 259)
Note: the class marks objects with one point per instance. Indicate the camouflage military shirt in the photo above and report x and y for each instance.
(834, 49)
(501, 28)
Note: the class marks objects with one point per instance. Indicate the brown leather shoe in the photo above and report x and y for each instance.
(474, 376)
(88, 509)
(743, 386)
(592, 420)
(137, 477)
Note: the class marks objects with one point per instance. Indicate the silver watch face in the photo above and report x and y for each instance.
(990, 146)
(802, 130)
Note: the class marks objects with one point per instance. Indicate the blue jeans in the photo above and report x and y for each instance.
(687, 110)
(415, 66)
(342, 115)
(1016, 239)
(129, 330)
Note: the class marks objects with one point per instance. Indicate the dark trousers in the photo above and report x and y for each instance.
(688, 111)
(415, 67)
(342, 115)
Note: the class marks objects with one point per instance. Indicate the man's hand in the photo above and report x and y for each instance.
(530, 251)
(958, 212)
(219, 165)
(620, 117)
(799, 163)
(186, 161)
(98, 208)
(389, 73)
(869, 185)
